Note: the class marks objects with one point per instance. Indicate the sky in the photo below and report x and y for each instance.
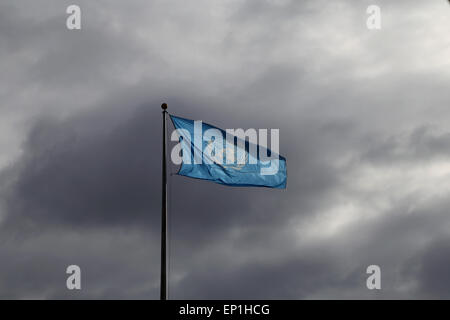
(363, 118)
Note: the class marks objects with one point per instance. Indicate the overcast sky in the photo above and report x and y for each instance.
(364, 125)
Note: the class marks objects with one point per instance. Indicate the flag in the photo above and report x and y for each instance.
(209, 153)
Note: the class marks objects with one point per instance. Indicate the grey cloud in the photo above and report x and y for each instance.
(295, 278)
(416, 146)
(430, 270)
(84, 186)
(112, 266)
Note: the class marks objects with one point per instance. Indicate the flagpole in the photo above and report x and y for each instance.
(163, 292)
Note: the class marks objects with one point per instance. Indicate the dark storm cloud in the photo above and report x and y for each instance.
(430, 270)
(405, 243)
(100, 171)
(422, 144)
(288, 280)
(103, 168)
(362, 120)
(112, 265)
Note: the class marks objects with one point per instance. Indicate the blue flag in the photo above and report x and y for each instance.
(226, 157)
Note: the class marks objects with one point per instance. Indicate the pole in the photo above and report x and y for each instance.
(163, 293)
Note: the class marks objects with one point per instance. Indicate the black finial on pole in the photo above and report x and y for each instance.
(163, 292)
